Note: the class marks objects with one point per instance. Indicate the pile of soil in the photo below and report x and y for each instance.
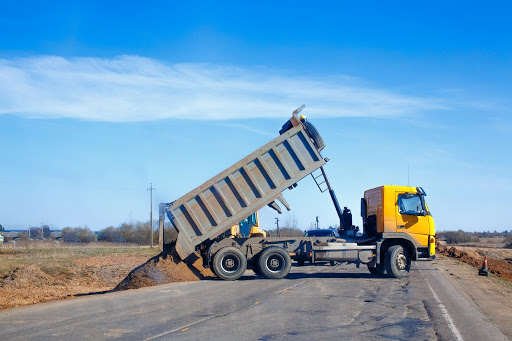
(30, 275)
(499, 267)
(167, 267)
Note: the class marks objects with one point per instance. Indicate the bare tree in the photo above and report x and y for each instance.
(291, 222)
(289, 227)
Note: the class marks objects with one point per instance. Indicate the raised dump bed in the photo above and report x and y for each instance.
(253, 182)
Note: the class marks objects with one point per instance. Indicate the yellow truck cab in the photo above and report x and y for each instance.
(398, 215)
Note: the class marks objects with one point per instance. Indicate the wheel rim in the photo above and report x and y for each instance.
(275, 263)
(401, 261)
(230, 263)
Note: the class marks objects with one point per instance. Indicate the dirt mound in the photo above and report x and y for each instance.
(30, 275)
(499, 267)
(165, 268)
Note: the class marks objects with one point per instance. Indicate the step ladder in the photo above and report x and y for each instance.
(319, 181)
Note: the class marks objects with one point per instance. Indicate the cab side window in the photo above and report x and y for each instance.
(410, 204)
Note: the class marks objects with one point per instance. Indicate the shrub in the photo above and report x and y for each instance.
(456, 237)
(286, 232)
(135, 233)
(78, 235)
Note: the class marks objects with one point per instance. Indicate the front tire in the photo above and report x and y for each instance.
(274, 263)
(229, 263)
(398, 262)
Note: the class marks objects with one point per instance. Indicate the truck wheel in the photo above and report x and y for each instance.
(229, 263)
(300, 262)
(256, 269)
(213, 270)
(377, 270)
(398, 262)
(274, 262)
(313, 134)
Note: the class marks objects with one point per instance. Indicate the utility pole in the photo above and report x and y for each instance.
(151, 189)
(277, 223)
(317, 222)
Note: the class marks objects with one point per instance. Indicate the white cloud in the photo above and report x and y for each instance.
(131, 88)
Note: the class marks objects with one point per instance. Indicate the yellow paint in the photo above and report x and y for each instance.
(185, 329)
(256, 230)
(257, 302)
(383, 203)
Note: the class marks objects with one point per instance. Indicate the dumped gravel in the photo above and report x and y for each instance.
(165, 268)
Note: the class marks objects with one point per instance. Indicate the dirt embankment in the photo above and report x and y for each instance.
(167, 267)
(30, 276)
(498, 263)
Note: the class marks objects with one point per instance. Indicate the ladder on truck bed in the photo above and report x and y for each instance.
(242, 189)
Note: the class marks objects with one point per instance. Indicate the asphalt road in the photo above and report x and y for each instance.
(313, 302)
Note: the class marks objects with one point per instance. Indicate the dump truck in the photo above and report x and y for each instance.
(397, 225)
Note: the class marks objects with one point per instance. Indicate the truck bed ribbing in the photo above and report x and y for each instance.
(242, 189)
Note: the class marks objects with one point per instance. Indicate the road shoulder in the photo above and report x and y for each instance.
(490, 296)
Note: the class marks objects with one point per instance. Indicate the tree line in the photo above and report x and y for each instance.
(133, 233)
(460, 236)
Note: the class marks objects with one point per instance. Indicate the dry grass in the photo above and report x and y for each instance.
(67, 270)
(52, 258)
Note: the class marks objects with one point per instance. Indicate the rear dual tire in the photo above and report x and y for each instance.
(274, 263)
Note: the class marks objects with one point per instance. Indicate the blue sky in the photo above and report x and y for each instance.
(98, 100)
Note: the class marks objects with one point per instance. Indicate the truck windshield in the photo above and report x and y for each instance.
(411, 204)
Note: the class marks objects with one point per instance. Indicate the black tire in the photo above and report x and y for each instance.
(213, 270)
(378, 270)
(332, 263)
(398, 262)
(229, 263)
(314, 135)
(274, 262)
(256, 269)
(300, 262)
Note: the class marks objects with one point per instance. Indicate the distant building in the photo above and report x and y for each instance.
(12, 235)
(33, 233)
(56, 235)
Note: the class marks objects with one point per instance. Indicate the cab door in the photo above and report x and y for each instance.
(412, 217)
